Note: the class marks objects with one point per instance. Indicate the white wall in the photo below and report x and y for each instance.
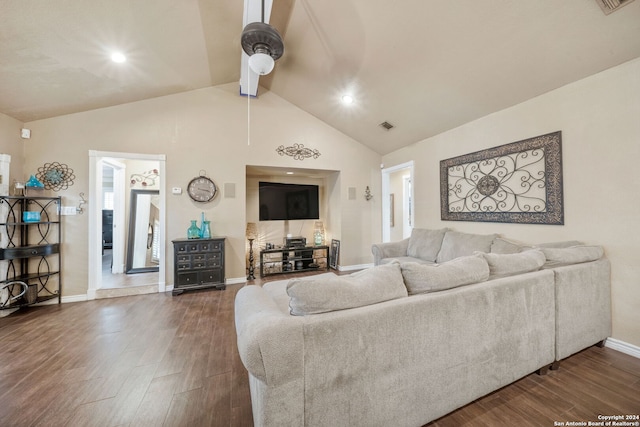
(13, 145)
(206, 129)
(600, 122)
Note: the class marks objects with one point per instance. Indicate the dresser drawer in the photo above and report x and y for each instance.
(186, 279)
(183, 258)
(211, 276)
(211, 246)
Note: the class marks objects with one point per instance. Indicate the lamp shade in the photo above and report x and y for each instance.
(252, 230)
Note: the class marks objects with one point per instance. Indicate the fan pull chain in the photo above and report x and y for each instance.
(248, 105)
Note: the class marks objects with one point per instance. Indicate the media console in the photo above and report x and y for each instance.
(293, 260)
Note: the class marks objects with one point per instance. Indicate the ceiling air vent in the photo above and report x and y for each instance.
(609, 6)
(386, 125)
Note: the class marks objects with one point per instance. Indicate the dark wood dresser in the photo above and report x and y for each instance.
(198, 264)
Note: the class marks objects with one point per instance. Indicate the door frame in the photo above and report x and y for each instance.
(386, 205)
(95, 215)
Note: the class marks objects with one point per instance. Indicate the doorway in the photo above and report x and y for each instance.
(110, 197)
(398, 207)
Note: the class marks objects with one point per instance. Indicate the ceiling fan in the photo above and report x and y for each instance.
(262, 44)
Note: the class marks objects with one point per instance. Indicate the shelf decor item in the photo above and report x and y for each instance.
(205, 230)
(30, 216)
(252, 234)
(318, 233)
(193, 232)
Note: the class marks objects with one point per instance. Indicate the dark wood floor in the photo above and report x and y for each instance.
(158, 360)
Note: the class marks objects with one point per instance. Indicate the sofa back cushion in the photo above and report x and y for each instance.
(456, 244)
(425, 244)
(311, 295)
(572, 255)
(502, 265)
(422, 278)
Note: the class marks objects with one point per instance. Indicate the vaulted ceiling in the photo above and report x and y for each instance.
(424, 66)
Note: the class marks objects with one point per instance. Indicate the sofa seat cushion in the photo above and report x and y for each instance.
(403, 259)
(421, 278)
(425, 244)
(572, 255)
(311, 295)
(502, 265)
(457, 244)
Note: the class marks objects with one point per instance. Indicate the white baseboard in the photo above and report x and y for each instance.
(354, 267)
(73, 298)
(623, 347)
(236, 280)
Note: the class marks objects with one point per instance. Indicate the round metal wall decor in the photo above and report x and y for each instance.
(55, 176)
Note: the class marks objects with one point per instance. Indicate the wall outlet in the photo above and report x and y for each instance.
(68, 210)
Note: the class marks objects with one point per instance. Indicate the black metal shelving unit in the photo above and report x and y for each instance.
(31, 251)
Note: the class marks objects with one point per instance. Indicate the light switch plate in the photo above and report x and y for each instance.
(68, 210)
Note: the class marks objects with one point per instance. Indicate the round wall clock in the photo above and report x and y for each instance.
(202, 189)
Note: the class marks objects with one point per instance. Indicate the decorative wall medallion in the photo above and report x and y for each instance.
(519, 182)
(55, 176)
(146, 179)
(298, 152)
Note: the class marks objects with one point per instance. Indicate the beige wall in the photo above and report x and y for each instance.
(599, 120)
(13, 145)
(206, 130)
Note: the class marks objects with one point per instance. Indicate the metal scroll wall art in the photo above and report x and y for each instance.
(519, 182)
(298, 152)
(145, 179)
(55, 176)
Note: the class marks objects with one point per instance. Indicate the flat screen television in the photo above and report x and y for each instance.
(279, 201)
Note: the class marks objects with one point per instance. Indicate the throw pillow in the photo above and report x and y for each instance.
(503, 246)
(421, 278)
(572, 255)
(501, 265)
(310, 295)
(456, 244)
(425, 244)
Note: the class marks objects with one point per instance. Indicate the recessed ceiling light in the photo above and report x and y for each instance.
(118, 57)
(347, 99)
(289, 173)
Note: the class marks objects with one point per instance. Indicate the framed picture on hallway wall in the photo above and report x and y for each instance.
(334, 253)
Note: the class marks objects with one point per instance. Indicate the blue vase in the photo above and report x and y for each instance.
(193, 232)
(205, 230)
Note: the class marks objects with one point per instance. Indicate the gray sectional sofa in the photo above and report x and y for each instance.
(429, 329)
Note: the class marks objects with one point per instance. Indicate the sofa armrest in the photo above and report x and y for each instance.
(583, 306)
(270, 342)
(389, 250)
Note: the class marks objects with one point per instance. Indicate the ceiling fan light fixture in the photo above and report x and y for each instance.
(263, 41)
(261, 63)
